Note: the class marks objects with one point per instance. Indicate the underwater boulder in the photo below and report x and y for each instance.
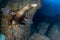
(42, 28)
(15, 30)
(36, 36)
(54, 32)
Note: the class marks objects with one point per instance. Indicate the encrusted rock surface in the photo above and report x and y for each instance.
(54, 32)
(16, 31)
(36, 36)
(42, 27)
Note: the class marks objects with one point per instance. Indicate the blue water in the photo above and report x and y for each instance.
(51, 7)
(2, 37)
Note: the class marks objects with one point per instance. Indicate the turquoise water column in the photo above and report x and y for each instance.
(51, 8)
(2, 37)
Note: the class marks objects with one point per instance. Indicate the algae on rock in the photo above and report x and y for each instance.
(11, 30)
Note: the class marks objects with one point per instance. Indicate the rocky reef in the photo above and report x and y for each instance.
(17, 18)
(17, 21)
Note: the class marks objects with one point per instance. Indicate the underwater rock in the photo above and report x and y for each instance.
(13, 30)
(42, 28)
(16, 31)
(54, 32)
(36, 36)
